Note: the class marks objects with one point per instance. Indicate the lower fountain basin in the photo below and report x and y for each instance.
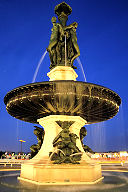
(33, 101)
(113, 181)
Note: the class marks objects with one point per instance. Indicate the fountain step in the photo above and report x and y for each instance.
(61, 174)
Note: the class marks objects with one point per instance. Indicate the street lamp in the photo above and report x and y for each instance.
(22, 141)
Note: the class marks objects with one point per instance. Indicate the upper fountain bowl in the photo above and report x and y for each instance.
(92, 102)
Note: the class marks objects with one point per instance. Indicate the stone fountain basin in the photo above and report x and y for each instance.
(92, 102)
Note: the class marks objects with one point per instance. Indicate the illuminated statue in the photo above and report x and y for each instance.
(83, 133)
(63, 48)
(39, 132)
(65, 142)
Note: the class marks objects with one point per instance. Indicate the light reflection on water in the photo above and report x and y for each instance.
(113, 182)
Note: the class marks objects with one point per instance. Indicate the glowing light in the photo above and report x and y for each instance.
(123, 154)
(22, 141)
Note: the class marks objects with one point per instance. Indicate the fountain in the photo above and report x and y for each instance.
(62, 106)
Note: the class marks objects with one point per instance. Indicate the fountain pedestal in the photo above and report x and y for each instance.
(62, 72)
(64, 174)
(41, 169)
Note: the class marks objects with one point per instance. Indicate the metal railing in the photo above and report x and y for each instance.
(11, 162)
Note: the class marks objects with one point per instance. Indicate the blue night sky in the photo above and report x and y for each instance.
(25, 29)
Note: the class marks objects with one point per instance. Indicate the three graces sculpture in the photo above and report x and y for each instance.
(63, 48)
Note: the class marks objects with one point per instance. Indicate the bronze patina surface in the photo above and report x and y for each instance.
(65, 143)
(63, 48)
(92, 102)
(39, 132)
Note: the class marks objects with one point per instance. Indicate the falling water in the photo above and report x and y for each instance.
(19, 127)
(17, 130)
(38, 66)
(65, 52)
(56, 150)
(74, 154)
(96, 137)
(121, 129)
(78, 59)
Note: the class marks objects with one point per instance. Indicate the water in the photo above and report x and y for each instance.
(122, 131)
(108, 135)
(56, 150)
(65, 52)
(81, 66)
(17, 130)
(38, 66)
(112, 182)
(49, 160)
(74, 154)
(96, 136)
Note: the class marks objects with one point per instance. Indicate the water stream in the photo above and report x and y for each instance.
(38, 66)
(65, 52)
(81, 66)
(122, 129)
(96, 136)
(56, 150)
